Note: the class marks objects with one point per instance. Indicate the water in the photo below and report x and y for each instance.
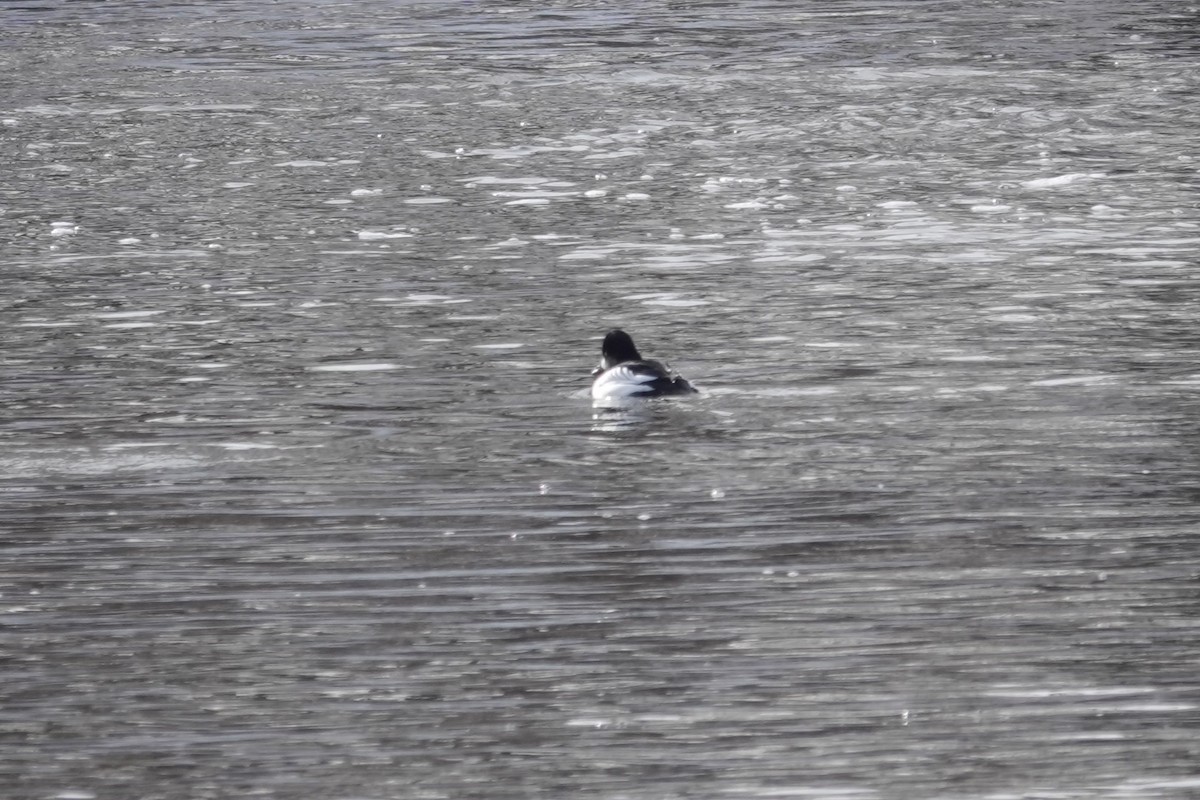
(303, 496)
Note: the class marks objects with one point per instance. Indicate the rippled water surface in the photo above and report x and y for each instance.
(303, 496)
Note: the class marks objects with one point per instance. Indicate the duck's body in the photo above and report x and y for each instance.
(624, 375)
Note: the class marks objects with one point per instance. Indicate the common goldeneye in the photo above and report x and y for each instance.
(623, 374)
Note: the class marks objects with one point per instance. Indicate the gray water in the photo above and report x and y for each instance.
(302, 494)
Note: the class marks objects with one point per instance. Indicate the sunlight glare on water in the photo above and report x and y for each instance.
(302, 493)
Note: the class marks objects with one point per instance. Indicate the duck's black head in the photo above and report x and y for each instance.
(618, 347)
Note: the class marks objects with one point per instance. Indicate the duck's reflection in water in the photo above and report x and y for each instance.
(609, 416)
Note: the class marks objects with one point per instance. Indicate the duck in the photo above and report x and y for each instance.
(624, 375)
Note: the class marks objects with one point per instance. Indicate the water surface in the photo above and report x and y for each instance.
(302, 494)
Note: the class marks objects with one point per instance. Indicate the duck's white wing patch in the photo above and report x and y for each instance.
(621, 382)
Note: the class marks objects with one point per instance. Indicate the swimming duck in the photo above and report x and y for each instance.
(623, 374)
